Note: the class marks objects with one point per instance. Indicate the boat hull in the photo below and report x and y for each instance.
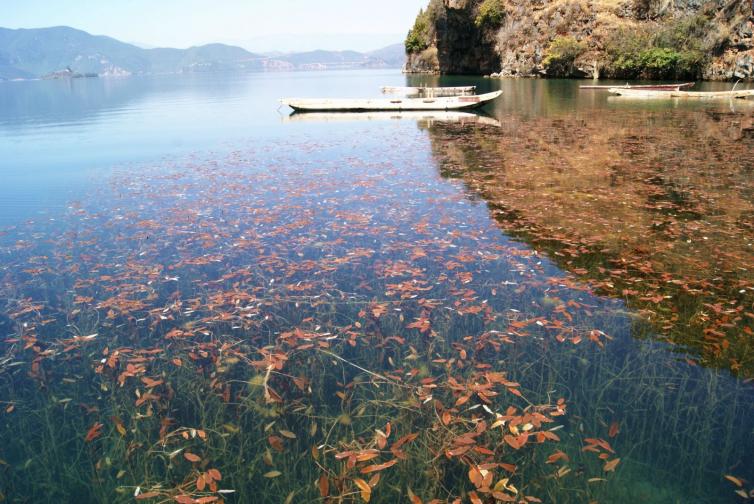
(430, 92)
(697, 95)
(646, 87)
(374, 105)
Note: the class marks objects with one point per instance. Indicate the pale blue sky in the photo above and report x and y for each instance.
(260, 25)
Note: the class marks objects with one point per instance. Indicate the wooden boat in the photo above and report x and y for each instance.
(648, 87)
(430, 91)
(699, 95)
(387, 104)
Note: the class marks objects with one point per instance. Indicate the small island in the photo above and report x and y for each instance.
(69, 74)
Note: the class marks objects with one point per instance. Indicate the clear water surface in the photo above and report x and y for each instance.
(203, 297)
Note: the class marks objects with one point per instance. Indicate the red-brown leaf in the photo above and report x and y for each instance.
(192, 457)
(94, 432)
(379, 467)
(324, 486)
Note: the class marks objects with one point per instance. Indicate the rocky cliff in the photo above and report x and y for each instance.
(661, 39)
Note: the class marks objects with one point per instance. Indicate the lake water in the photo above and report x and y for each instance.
(204, 299)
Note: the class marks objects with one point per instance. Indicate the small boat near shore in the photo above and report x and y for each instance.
(430, 91)
(698, 95)
(646, 87)
(388, 104)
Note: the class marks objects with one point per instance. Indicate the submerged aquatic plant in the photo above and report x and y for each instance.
(224, 332)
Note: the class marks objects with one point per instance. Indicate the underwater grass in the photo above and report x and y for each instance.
(223, 333)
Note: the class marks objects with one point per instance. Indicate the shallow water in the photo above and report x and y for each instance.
(192, 281)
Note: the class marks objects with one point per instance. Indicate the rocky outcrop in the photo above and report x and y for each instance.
(462, 47)
(423, 62)
(709, 39)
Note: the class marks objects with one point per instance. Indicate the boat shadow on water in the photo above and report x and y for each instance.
(476, 117)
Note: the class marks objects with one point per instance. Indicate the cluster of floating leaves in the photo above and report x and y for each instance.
(302, 329)
(655, 208)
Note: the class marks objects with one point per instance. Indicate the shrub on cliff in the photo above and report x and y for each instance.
(421, 36)
(659, 62)
(624, 47)
(491, 14)
(418, 38)
(679, 50)
(561, 55)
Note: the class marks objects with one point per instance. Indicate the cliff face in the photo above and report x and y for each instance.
(461, 46)
(709, 39)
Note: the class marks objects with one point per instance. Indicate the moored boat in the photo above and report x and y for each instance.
(387, 104)
(430, 91)
(646, 87)
(699, 95)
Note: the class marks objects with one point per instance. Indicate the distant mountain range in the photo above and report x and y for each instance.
(40, 52)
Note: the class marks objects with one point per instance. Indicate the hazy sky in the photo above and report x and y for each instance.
(260, 25)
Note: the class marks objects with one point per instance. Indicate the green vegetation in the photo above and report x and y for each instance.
(491, 14)
(679, 50)
(561, 54)
(419, 37)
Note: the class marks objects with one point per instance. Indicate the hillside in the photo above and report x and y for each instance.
(30, 53)
(393, 55)
(660, 39)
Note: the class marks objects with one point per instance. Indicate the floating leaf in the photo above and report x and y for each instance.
(191, 457)
(614, 429)
(611, 465)
(324, 486)
(446, 418)
(455, 452)
(557, 455)
(94, 432)
(147, 495)
(412, 497)
(366, 490)
(119, 426)
(736, 481)
(367, 455)
(379, 467)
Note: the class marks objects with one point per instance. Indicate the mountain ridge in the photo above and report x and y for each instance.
(27, 53)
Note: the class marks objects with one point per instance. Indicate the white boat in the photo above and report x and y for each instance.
(699, 95)
(645, 87)
(430, 91)
(388, 104)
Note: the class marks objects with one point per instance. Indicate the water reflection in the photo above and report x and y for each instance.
(652, 207)
(69, 102)
(425, 118)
